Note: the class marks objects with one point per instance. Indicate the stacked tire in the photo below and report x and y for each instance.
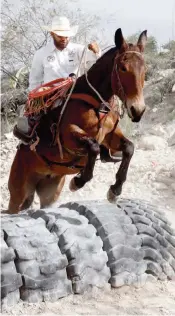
(138, 239)
(55, 252)
(77, 240)
(11, 281)
(37, 260)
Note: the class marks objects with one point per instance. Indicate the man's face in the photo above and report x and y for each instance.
(60, 41)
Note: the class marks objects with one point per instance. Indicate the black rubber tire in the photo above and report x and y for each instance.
(138, 239)
(37, 259)
(11, 281)
(87, 262)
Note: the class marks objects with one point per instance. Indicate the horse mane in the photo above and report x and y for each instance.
(96, 67)
(109, 53)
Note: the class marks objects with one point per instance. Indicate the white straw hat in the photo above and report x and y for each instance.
(61, 26)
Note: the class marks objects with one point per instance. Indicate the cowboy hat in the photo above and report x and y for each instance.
(61, 26)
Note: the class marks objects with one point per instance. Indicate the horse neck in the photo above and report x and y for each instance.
(99, 75)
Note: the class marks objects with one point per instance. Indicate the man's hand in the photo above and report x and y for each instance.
(43, 89)
(94, 47)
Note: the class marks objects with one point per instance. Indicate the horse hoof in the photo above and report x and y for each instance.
(72, 186)
(112, 198)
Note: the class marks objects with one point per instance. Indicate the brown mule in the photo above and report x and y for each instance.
(121, 72)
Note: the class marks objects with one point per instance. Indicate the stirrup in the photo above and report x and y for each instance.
(26, 139)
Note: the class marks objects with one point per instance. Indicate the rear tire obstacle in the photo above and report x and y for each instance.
(51, 253)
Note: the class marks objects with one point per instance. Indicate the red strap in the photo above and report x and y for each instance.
(87, 98)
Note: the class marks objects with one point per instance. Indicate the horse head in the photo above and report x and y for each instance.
(128, 74)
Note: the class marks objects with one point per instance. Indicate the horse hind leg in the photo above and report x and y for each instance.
(49, 189)
(21, 196)
(27, 202)
(21, 187)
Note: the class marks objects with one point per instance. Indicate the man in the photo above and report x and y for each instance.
(60, 58)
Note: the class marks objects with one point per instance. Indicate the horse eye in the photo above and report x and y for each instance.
(123, 69)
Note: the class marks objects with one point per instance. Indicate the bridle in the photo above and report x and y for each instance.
(116, 82)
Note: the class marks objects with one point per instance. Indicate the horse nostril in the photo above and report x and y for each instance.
(133, 111)
(136, 119)
(135, 115)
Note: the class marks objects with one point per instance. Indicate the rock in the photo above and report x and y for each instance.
(173, 88)
(154, 110)
(158, 130)
(152, 143)
(170, 127)
(5, 151)
(172, 173)
(9, 135)
(160, 186)
(173, 186)
(165, 180)
(152, 97)
(173, 64)
(171, 140)
(166, 73)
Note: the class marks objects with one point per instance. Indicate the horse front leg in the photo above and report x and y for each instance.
(93, 150)
(116, 141)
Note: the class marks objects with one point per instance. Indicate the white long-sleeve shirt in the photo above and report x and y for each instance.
(49, 63)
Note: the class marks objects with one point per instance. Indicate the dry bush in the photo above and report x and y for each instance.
(155, 63)
(166, 85)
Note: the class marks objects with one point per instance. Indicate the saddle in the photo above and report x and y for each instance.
(41, 100)
(46, 98)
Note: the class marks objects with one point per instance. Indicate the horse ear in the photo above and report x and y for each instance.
(142, 40)
(119, 40)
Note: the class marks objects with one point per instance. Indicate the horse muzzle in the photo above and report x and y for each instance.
(135, 109)
(136, 116)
